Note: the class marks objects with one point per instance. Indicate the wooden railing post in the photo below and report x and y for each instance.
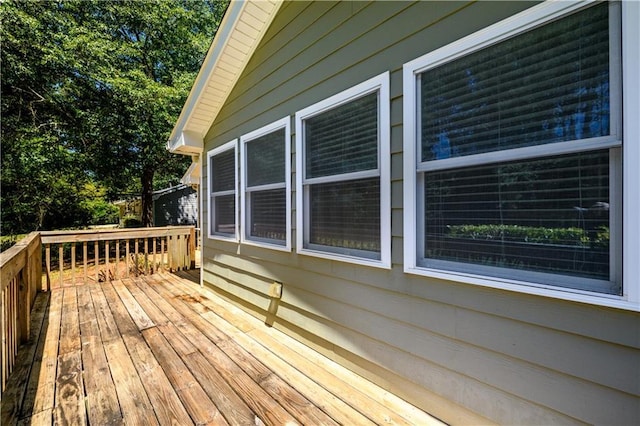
(192, 248)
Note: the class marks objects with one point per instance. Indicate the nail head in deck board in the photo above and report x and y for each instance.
(196, 401)
(102, 400)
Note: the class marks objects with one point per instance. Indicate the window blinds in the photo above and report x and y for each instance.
(548, 85)
(344, 139)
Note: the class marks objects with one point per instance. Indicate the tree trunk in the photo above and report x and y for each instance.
(147, 197)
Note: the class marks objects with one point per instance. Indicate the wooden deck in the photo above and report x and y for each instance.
(159, 350)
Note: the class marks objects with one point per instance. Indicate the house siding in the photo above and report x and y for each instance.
(465, 353)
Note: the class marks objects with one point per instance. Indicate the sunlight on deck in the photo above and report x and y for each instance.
(159, 350)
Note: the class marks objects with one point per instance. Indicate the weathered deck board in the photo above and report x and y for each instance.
(159, 350)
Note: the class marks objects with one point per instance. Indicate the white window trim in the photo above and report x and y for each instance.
(284, 123)
(630, 300)
(210, 223)
(378, 84)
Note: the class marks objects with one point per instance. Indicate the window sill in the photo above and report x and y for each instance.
(572, 295)
(345, 258)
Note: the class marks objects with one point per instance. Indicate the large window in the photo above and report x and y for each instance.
(266, 205)
(513, 153)
(223, 183)
(342, 152)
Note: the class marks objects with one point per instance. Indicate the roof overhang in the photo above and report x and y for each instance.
(243, 26)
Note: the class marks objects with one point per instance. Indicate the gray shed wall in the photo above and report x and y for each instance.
(464, 353)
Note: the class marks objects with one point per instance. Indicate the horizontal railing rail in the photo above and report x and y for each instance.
(100, 255)
(20, 277)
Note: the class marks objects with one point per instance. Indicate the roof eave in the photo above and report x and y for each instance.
(214, 82)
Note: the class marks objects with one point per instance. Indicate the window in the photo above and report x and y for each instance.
(266, 202)
(343, 182)
(223, 181)
(513, 154)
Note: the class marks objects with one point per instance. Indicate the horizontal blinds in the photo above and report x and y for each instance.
(344, 139)
(223, 171)
(225, 214)
(346, 214)
(266, 159)
(269, 214)
(547, 215)
(548, 85)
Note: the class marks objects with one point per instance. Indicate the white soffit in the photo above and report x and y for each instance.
(192, 176)
(243, 26)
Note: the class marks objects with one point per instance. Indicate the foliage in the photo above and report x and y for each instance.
(131, 221)
(7, 241)
(529, 234)
(90, 92)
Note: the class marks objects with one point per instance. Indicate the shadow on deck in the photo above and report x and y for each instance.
(158, 349)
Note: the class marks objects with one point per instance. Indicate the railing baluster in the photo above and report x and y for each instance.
(146, 256)
(96, 255)
(115, 269)
(47, 254)
(127, 257)
(61, 261)
(107, 276)
(84, 260)
(170, 247)
(154, 266)
(135, 258)
(162, 253)
(73, 263)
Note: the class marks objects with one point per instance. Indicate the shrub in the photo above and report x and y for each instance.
(131, 221)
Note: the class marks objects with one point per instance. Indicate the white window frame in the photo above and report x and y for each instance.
(231, 145)
(284, 123)
(624, 260)
(380, 84)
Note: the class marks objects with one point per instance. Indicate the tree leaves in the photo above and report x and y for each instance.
(103, 83)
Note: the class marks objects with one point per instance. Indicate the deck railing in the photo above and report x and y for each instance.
(20, 277)
(110, 254)
(44, 259)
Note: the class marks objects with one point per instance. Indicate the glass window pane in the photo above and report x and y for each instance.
(548, 85)
(346, 214)
(546, 215)
(225, 214)
(223, 171)
(344, 139)
(269, 214)
(266, 159)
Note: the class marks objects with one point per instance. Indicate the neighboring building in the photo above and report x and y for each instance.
(447, 191)
(177, 205)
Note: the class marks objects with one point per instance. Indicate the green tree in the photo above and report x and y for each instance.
(91, 89)
(138, 61)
